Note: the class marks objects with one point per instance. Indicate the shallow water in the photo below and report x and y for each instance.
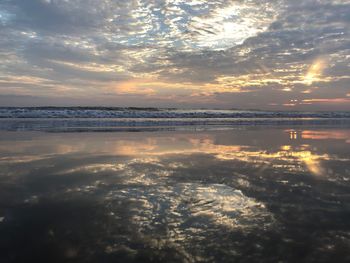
(258, 194)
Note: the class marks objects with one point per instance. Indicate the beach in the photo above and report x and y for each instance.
(273, 193)
(151, 131)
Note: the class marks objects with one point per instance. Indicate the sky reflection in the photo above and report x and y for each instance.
(205, 196)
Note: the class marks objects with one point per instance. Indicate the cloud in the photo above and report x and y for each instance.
(281, 50)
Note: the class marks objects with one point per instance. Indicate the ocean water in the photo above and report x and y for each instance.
(198, 193)
(117, 112)
(73, 119)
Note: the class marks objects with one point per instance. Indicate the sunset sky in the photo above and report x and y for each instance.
(276, 54)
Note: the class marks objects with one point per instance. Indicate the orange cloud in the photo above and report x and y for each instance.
(134, 87)
(335, 100)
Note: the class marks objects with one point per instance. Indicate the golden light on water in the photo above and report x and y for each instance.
(324, 135)
(296, 152)
(298, 158)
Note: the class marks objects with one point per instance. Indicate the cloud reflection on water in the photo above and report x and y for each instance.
(196, 196)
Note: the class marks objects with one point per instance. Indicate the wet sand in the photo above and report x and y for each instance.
(258, 194)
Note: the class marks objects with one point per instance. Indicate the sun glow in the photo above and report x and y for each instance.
(315, 72)
(230, 26)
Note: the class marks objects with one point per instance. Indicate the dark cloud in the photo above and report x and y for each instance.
(264, 48)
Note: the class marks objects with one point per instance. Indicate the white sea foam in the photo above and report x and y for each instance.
(106, 119)
(103, 112)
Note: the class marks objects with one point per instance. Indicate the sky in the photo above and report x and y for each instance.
(247, 54)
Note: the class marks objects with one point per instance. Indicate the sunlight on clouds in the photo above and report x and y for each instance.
(93, 67)
(231, 25)
(5, 17)
(327, 101)
(23, 79)
(153, 87)
(30, 85)
(315, 71)
(134, 87)
(183, 51)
